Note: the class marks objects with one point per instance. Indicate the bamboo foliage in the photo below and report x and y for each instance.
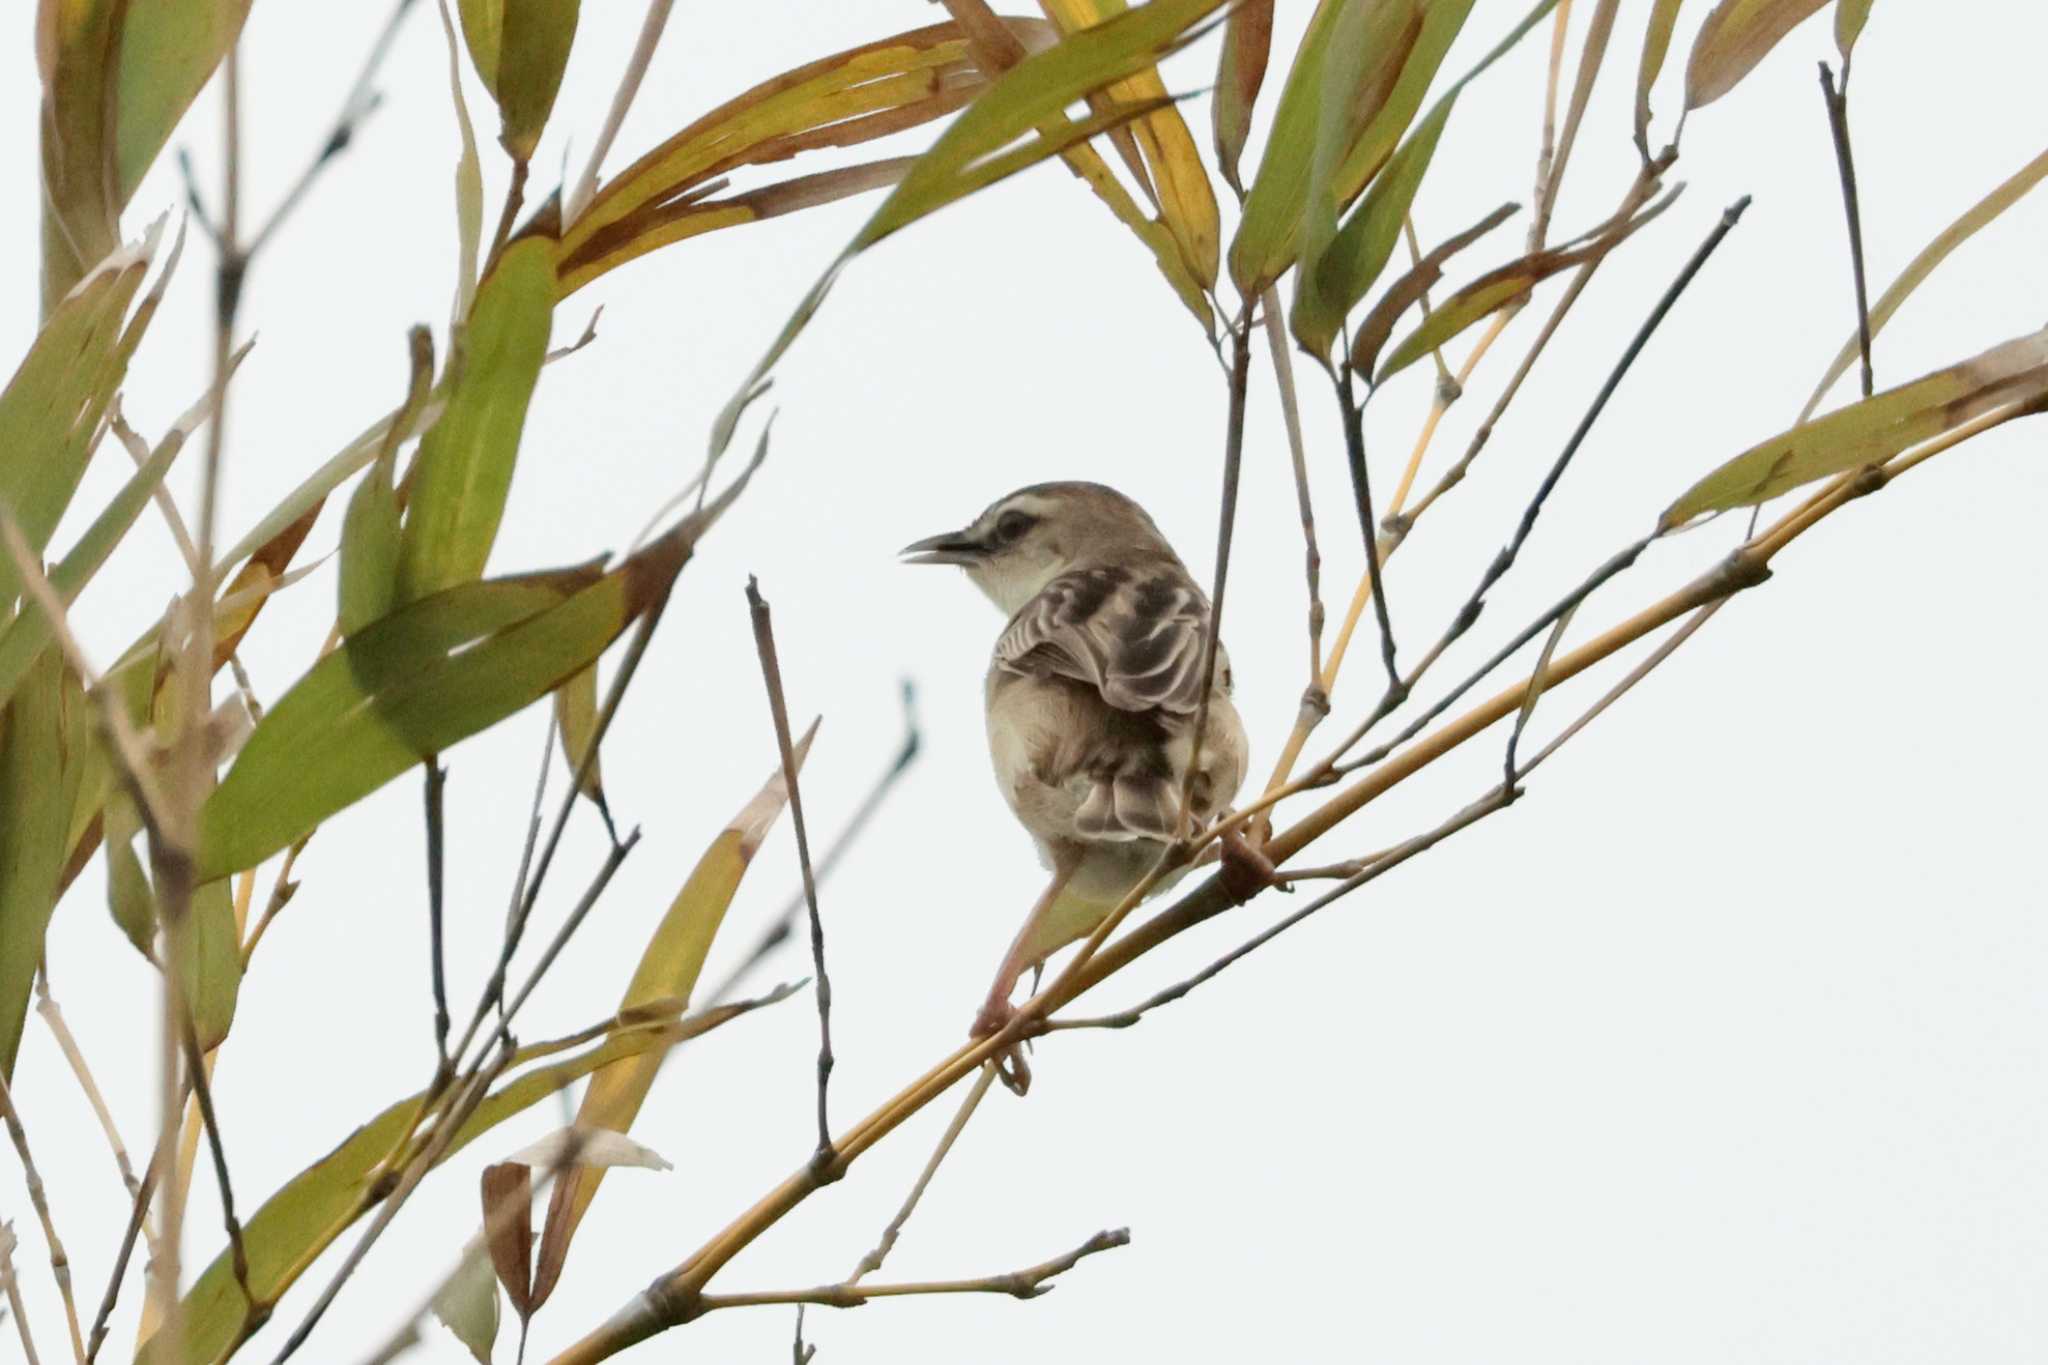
(434, 641)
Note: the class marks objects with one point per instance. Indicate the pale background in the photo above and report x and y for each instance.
(1726, 1044)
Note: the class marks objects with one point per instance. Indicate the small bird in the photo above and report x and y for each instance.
(1092, 698)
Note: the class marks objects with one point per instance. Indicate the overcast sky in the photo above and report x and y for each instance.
(1725, 1044)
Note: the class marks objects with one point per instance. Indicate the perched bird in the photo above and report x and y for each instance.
(1092, 697)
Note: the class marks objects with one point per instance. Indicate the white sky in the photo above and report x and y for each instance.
(1725, 1044)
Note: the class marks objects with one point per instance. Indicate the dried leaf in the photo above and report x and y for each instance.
(668, 969)
(508, 1229)
(587, 1145)
(1736, 36)
(1874, 429)
(467, 1304)
(1240, 71)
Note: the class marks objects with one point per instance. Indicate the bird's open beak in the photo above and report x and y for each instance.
(954, 547)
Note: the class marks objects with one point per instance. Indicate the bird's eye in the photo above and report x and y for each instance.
(1012, 525)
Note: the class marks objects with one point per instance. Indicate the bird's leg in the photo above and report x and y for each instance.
(997, 1011)
(1243, 868)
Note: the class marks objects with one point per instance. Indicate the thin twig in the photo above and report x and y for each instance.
(1027, 1283)
(11, 1284)
(778, 709)
(1361, 488)
(1635, 675)
(1226, 529)
(60, 1264)
(779, 928)
(1547, 150)
(46, 1005)
(138, 1215)
(1537, 675)
(202, 1091)
(360, 102)
(1290, 412)
(873, 1260)
(1837, 102)
(1497, 799)
(1467, 614)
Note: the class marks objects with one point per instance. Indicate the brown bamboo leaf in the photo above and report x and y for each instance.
(1403, 293)
(1736, 36)
(508, 1230)
(1507, 284)
(1240, 71)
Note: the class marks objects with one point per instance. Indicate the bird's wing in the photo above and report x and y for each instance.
(1135, 636)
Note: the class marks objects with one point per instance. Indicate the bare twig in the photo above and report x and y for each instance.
(1497, 799)
(1027, 1283)
(360, 102)
(138, 1215)
(1361, 488)
(778, 709)
(1290, 412)
(12, 1287)
(779, 928)
(46, 1005)
(202, 1091)
(1537, 676)
(800, 1354)
(873, 1260)
(1635, 675)
(1547, 150)
(1467, 614)
(1226, 528)
(60, 1264)
(1837, 102)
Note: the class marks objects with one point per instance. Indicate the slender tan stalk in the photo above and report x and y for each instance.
(60, 1263)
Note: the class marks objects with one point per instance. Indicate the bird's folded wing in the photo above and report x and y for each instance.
(1135, 636)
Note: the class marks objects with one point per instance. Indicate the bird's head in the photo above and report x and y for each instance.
(1025, 540)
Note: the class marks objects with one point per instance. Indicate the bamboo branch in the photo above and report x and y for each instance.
(1837, 102)
(1027, 1283)
(60, 1263)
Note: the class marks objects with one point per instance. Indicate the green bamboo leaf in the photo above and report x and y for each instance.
(1352, 262)
(28, 634)
(970, 154)
(463, 471)
(38, 777)
(130, 898)
(51, 410)
(1240, 71)
(1873, 430)
(169, 49)
(1508, 284)
(1656, 45)
(209, 963)
(117, 77)
(368, 582)
(668, 970)
(1273, 205)
(1736, 36)
(2008, 193)
(1850, 17)
(469, 183)
(412, 684)
(576, 723)
(521, 48)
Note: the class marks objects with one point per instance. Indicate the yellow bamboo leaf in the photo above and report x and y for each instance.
(1735, 37)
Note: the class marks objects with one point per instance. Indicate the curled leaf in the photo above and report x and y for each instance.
(467, 1304)
(1240, 71)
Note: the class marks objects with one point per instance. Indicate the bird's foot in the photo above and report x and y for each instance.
(1244, 870)
(1011, 1068)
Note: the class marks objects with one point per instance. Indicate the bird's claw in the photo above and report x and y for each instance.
(1244, 870)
